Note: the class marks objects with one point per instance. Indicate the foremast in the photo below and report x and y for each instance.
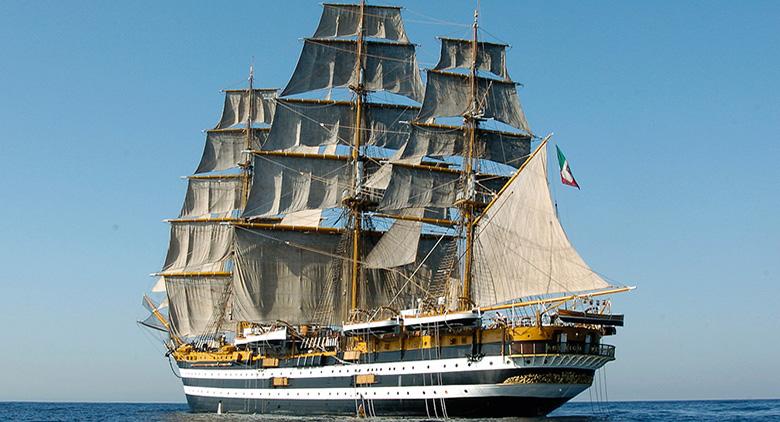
(196, 277)
(355, 203)
(246, 164)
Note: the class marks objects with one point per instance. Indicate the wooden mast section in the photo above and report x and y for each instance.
(246, 166)
(468, 201)
(355, 203)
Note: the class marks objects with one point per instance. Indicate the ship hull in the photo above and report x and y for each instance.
(491, 386)
(492, 405)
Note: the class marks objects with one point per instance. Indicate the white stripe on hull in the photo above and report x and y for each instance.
(402, 368)
(394, 393)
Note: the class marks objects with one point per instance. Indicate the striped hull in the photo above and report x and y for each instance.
(491, 404)
(492, 386)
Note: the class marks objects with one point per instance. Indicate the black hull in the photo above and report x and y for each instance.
(478, 407)
(390, 384)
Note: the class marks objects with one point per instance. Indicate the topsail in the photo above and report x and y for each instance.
(330, 63)
(342, 20)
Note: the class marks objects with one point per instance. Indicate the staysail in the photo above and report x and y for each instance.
(521, 249)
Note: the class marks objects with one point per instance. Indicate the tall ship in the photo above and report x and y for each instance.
(360, 243)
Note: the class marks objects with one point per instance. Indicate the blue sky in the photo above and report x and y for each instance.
(669, 113)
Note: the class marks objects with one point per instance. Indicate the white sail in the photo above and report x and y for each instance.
(300, 124)
(213, 197)
(281, 275)
(326, 63)
(198, 247)
(236, 109)
(448, 94)
(305, 218)
(398, 246)
(223, 148)
(343, 20)
(194, 303)
(416, 188)
(446, 141)
(457, 53)
(281, 185)
(520, 248)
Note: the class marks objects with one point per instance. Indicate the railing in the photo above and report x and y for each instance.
(570, 348)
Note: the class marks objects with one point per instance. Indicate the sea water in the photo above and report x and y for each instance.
(677, 411)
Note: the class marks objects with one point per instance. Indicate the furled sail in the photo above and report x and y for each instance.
(285, 184)
(329, 63)
(194, 303)
(237, 108)
(281, 274)
(448, 94)
(457, 53)
(223, 148)
(521, 249)
(428, 140)
(300, 125)
(212, 197)
(198, 247)
(343, 20)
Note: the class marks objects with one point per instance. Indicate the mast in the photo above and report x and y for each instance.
(246, 165)
(357, 163)
(467, 204)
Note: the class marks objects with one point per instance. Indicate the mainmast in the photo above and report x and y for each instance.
(357, 180)
(468, 201)
(304, 168)
(246, 165)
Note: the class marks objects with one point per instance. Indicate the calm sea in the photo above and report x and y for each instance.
(724, 410)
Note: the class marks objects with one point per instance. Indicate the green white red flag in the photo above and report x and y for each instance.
(566, 177)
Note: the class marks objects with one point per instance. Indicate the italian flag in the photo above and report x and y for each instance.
(566, 177)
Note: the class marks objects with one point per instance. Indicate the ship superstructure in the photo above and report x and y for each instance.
(360, 244)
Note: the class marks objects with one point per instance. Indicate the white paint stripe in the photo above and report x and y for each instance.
(394, 393)
(404, 368)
